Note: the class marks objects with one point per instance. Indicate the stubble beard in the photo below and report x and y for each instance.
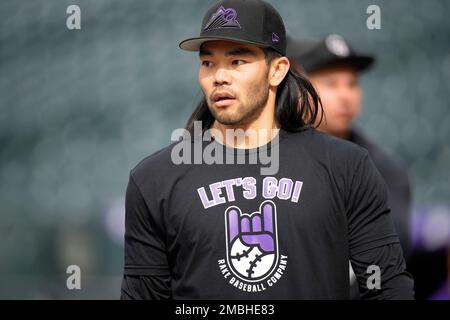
(257, 97)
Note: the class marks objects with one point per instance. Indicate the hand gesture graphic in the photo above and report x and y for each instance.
(251, 241)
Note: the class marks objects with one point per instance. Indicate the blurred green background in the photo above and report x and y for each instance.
(79, 108)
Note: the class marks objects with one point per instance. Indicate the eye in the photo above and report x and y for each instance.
(331, 83)
(238, 62)
(206, 63)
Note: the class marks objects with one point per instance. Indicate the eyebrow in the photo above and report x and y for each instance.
(240, 51)
(203, 52)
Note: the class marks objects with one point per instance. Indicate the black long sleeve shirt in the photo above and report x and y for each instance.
(224, 231)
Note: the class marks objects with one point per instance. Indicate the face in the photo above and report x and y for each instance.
(339, 90)
(234, 79)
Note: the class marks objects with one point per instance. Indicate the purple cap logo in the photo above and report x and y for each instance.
(223, 18)
(275, 37)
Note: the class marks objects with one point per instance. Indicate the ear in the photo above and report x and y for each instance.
(278, 70)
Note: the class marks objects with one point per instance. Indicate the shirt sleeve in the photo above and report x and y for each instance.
(146, 288)
(400, 203)
(394, 283)
(145, 248)
(369, 220)
(372, 237)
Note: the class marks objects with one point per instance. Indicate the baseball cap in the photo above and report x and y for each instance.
(312, 55)
(244, 21)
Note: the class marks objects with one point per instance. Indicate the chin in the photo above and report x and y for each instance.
(229, 121)
(227, 118)
(341, 132)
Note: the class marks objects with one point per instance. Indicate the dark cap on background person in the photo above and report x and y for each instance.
(312, 55)
(244, 21)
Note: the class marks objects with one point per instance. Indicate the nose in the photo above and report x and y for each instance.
(222, 77)
(345, 93)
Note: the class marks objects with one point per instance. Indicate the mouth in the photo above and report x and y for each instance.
(345, 115)
(222, 99)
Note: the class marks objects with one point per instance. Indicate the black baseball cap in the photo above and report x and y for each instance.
(313, 55)
(245, 21)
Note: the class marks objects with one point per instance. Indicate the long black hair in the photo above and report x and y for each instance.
(298, 105)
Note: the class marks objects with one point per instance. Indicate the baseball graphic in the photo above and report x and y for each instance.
(251, 241)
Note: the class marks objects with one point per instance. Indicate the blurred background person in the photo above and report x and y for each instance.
(334, 67)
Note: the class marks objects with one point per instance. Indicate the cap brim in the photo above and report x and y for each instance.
(194, 44)
(359, 62)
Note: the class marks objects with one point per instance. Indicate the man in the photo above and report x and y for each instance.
(226, 231)
(333, 67)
